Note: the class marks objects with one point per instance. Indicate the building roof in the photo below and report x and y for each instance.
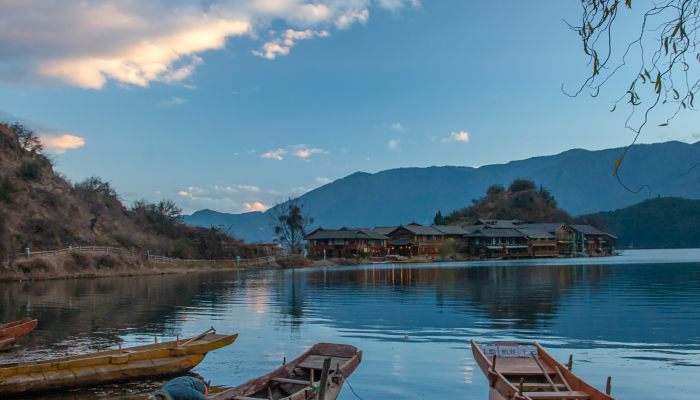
(344, 233)
(500, 223)
(384, 230)
(472, 228)
(450, 229)
(548, 227)
(507, 233)
(421, 230)
(590, 230)
(536, 233)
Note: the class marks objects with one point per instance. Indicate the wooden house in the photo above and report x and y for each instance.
(345, 242)
(496, 243)
(415, 240)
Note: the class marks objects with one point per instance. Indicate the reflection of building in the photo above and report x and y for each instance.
(345, 242)
(269, 249)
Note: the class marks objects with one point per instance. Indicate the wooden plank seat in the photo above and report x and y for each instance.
(292, 381)
(315, 361)
(557, 395)
(536, 386)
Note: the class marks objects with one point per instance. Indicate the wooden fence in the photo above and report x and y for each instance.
(242, 262)
(29, 254)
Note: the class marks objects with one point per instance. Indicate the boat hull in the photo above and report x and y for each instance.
(11, 332)
(344, 360)
(156, 360)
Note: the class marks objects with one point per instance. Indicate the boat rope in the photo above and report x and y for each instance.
(353, 390)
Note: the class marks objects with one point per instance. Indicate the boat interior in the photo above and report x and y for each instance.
(530, 374)
(297, 376)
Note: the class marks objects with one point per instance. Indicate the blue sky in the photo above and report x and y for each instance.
(234, 105)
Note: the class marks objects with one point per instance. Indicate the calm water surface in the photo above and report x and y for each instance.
(635, 317)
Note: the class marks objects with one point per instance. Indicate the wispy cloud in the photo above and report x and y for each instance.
(460, 137)
(277, 154)
(60, 142)
(88, 44)
(228, 198)
(320, 180)
(297, 150)
(172, 102)
(397, 127)
(393, 144)
(280, 46)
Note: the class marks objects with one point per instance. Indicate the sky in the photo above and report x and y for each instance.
(236, 105)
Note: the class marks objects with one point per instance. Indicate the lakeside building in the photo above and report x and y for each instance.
(345, 243)
(484, 239)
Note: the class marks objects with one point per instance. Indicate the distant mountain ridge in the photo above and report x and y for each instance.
(660, 223)
(580, 180)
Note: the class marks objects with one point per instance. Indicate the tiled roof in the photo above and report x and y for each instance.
(536, 233)
(501, 223)
(384, 230)
(549, 227)
(450, 229)
(589, 230)
(506, 233)
(344, 233)
(422, 230)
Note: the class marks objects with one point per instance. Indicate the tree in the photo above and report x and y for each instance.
(291, 224)
(28, 140)
(439, 219)
(664, 51)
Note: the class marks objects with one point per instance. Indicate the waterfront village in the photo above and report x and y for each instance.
(485, 239)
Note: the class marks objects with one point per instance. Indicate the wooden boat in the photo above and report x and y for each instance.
(518, 371)
(158, 359)
(317, 374)
(11, 332)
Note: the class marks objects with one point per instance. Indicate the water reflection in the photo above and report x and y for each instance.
(414, 323)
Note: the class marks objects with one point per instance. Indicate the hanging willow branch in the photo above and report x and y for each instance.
(666, 50)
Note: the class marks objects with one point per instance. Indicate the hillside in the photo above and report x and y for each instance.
(581, 181)
(43, 211)
(522, 200)
(661, 223)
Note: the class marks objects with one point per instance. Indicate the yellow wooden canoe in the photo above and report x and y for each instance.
(158, 359)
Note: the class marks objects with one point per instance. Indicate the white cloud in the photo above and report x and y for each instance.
(298, 150)
(60, 142)
(304, 152)
(227, 198)
(351, 17)
(393, 144)
(172, 102)
(461, 136)
(274, 154)
(280, 46)
(397, 127)
(320, 180)
(255, 206)
(132, 42)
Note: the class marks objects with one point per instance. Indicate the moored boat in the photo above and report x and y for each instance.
(317, 374)
(158, 359)
(12, 331)
(525, 371)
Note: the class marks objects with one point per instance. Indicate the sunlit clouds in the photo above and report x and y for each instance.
(255, 206)
(393, 144)
(301, 151)
(88, 44)
(281, 46)
(459, 137)
(58, 143)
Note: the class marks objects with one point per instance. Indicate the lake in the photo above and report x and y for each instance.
(635, 317)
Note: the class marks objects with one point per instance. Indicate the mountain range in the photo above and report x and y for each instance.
(582, 182)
